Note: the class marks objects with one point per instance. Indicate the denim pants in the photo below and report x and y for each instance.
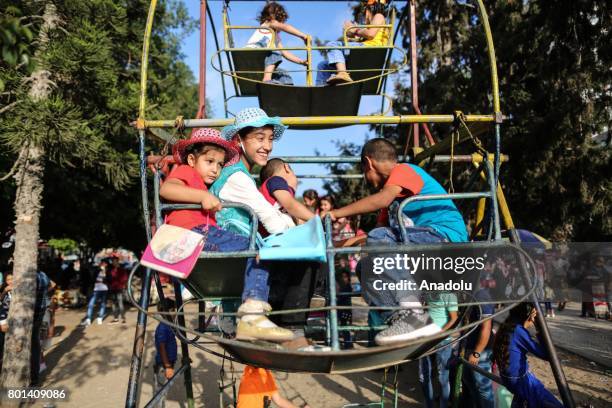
(391, 236)
(256, 277)
(481, 387)
(425, 367)
(98, 296)
(118, 306)
(334, 56)
(274, 58)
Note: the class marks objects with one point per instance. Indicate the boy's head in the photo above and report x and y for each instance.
(377, 154)
(273, 11)
(277, 167)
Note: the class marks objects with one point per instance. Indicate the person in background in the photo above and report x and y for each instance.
(345, 317)
(43, 286)
(118, 285)
(327, 204)
(478, 350)
(311, 200)
(165, 351)
(99, 295)
(258, 390)
(5, 303)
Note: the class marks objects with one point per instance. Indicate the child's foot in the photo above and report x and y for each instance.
(99, 320)
(254, 325)
(406, 325)
(339, 78)
(85, 323)
(273, 82)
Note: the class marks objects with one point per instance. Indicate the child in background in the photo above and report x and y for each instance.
(434, 221)
(549, 294)
(165, 351)
(273, 19)
(374, 14)
(258, 390)
(345, 316)
(202, 157)
(311, 200)
(278, 184)
(443, 308)
(512, 343)
(326, 204)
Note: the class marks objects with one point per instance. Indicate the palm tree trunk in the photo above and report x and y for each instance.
(28, 205)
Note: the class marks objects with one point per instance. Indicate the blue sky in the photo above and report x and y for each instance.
(322, 20)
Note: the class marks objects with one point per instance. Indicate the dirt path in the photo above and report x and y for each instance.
(92, 365)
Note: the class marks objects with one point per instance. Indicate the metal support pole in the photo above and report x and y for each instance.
(184, 346)
(555, 365)
(139, 340)
(414, 77)
(202, 84)
(331, 286)
(493, 198)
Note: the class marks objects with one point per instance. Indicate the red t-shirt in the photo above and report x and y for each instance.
(406, 178)
(189, 218)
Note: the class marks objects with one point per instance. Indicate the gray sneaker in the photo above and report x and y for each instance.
(406, 325)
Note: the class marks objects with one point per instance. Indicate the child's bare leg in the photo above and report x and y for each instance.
(268, 71)
(340, 67)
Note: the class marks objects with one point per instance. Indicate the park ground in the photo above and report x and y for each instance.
(92, 365)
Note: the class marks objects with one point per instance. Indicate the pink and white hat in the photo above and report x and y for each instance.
(205, 135)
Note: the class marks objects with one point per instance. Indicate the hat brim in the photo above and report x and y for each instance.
(232, 154)
(229, 131)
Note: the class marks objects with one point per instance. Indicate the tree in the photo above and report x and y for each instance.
(67, 125)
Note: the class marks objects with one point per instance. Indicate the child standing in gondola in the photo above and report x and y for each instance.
(273, 19)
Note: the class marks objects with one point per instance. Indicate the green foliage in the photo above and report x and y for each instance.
(64, 245)
(92, 64)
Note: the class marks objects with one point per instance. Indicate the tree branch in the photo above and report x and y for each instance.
(9, 106)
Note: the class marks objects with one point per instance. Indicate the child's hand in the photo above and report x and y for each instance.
(169, 372)
(473, 359)
(211, 203)
(304, 62)
(306, 38)
(323, 214)
(348, 24)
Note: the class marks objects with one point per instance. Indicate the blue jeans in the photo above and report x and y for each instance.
(391, 236)
(256, 285)
(333, 57)
(481, 388)
(425, 365)
(98, 295)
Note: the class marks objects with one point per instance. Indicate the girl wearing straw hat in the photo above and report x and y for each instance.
(254, 133)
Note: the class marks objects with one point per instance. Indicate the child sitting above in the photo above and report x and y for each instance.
(278, 185)
(273, 19)
(201, 159)
(434, 221)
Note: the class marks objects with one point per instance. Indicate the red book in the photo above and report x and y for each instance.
(173, 250)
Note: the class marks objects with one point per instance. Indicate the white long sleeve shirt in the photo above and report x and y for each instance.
(240, 188)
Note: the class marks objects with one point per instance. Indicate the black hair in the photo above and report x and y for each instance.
(273, 10)
(311, 194)
(375, 8)
(501, 345)
(329, 198)
(246, 130)
(270, 168)
(198, 149)
(378, 149)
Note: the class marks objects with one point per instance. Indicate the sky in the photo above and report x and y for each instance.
(319, 19)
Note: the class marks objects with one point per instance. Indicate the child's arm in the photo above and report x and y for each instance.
(175, 190)
(281, 401)
(375, 202)
(369, 33)
(525, 342)
(289, 55)
(292, 206)
(288, 28)
(168, 368)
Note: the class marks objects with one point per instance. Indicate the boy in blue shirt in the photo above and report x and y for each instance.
(165, 351)
(431, 221)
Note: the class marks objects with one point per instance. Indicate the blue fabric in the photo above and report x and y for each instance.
(328, 68)
(228, 217)
(256, 274)
(98, 296)
(164, 334)
(442, 357)
(305, 242)
(276, 183)
(482, 295)
(441, 215)
(527, 389)
(481, 387)
(42, 287)
(391, 236)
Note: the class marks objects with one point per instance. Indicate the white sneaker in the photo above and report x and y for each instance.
(99, 320)
(259, 327)
(254, 307)
(85, 323)
(404, 325)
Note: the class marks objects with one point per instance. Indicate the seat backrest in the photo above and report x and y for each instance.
(251, 61)
(217, 278)
(368, 58)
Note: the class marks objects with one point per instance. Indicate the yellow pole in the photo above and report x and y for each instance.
(503, 206)
(144, 65)
(309, 61)
(492, 60)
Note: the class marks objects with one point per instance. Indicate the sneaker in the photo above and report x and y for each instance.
(85, 323)
(339, 78)
(114, 321)
(405, 325)
(99, 320)
(259, 327)
(252, 307)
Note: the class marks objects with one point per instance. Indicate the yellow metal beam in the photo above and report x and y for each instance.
(144, 65)
(329, 120)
